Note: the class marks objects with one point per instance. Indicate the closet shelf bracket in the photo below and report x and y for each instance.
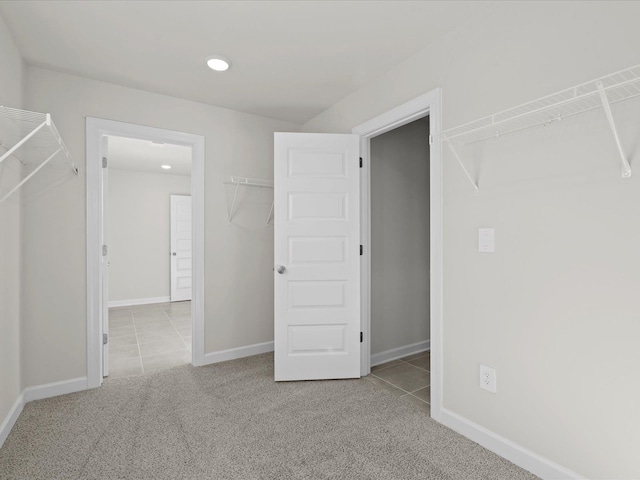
(24, 180)
(233, 202)
(29, 137)
(247, 182)
(270, 213)
(464, 169)
(626, 167)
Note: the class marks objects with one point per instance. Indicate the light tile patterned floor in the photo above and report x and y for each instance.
(146, 338)
(407, 378)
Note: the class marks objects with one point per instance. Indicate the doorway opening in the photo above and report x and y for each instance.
(426, 275)
(130, 269)
(399, 252)
(148, 231)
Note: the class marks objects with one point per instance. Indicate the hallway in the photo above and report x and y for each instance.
(146, 338)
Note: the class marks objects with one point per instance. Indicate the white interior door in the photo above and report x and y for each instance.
(317, 256)
(105, 257)
(180, 247)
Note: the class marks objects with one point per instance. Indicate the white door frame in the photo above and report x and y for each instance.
(427, 104)
(95, 129)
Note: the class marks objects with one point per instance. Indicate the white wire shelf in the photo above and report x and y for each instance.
(598, 93)
(247, 182)
(31, 142)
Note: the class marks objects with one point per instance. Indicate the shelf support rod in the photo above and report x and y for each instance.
(466, 172)
(30, 175)
(626, 167)
(270, 212)
(21, 142)
(233, 203)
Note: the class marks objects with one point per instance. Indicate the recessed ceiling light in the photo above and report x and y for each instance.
(166, 167)
(219, 64)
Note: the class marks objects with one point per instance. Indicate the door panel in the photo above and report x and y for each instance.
(181, 247)
(317, 229)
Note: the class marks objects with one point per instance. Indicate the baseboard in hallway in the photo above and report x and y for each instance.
(138, 301)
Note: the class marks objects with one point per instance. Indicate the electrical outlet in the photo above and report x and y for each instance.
(487, 378)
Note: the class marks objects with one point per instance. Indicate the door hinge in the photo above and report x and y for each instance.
(104, 250)
(360, 162)
(361, 249)
(104, 162)
(105, 338)
(361, 337)
(430, 139)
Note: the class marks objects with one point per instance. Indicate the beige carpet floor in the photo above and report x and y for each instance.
(232, 421)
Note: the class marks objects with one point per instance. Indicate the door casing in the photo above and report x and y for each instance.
(96, 128)
(429, 104)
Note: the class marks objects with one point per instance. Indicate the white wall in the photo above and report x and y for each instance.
(238, 257)
(11, 91)
(556, 309)
(400, 237)
(140, 232)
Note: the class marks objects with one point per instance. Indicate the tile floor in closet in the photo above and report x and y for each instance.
(147, 338)
(407, 378)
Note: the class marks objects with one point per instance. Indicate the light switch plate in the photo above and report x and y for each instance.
(486, 240)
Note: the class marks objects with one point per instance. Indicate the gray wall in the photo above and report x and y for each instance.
(139, 232)
(400, 237)
(555, 309)
(11, 91)
(238, 257)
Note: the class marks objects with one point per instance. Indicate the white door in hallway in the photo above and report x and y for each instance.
(180, 247)
(317, 256)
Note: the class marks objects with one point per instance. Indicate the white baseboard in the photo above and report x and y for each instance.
(534, 463)
(395, 353)
(38, 393)
(54, 389)
(240, 352)
(138, 301)
(11, 418)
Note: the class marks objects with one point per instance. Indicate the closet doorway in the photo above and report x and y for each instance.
(399, 252)
(401, 213)
(138, 309)
(149, 237)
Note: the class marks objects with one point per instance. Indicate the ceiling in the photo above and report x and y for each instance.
(145, 156)
(291, 60)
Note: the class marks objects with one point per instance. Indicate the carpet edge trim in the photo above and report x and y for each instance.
(515, 453)
(239, 352)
